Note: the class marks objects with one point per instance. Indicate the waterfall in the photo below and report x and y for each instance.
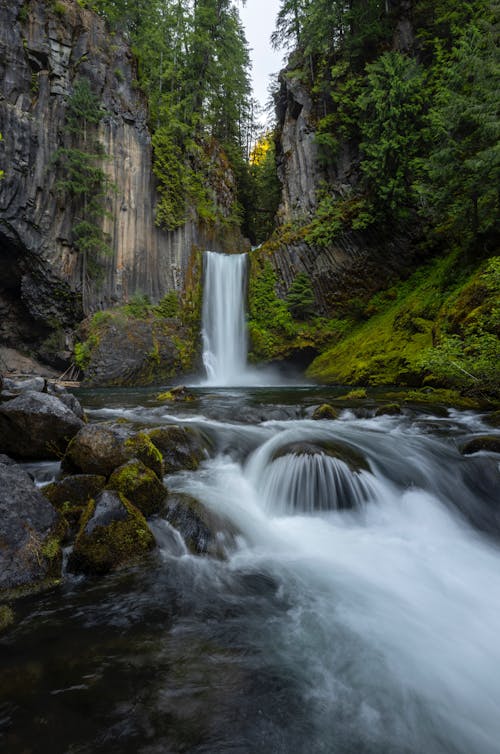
(224, 328)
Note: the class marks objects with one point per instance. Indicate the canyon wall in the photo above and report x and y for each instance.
(44, 49)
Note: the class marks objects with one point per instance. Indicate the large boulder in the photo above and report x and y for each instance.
(203, 531)
(72, 494)
(30, 531)
(113, 532)
(140, 485)
(181, 447)
(102, 448)
(36, 425)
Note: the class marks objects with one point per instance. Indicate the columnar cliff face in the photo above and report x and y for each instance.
(357, 264)
(44, 49)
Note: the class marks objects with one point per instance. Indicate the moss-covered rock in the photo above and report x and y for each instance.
(490, 443)
(178, 393)
(325, 411)
(180, 447)
(336, 449)
(389, 409)
(203, 531)
(75, 490)
(140, 485)
(30, 534)
(101, 448)
(113, 532)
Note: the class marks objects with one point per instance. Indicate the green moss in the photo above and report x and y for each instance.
(387, 349)
(6, 617)
(140, 485)
(141, 446)
(325, 411)
(354, 395)
(51, 548)
(108, 547)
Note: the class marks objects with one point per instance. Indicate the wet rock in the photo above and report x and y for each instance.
(325, 411)
(181, 447)
(36, 425)
(178, 393)
(113, 532)
(490, 443)
(30, 531)
(68, 399)
(140, 485)
(101, 448)
(18, 386)
(390, 409)
(74, 490)
(204, 532)
(493, 418)
(344, 452)
(6, 617)
(6, 460)
(97, 449)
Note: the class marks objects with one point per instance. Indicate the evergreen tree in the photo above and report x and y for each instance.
(84, 180)
(462, 171)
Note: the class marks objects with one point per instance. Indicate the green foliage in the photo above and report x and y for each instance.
(461, 173)
(392, 108)
(139, 306)
(168, 306)
(83, 180)
(300, 298)
(193, 66)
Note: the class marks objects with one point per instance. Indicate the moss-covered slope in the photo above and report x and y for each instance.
(440, 327)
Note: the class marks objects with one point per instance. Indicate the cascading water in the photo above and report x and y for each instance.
(223, 327)
(356, 610)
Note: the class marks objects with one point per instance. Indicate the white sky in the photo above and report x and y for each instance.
(259, 18)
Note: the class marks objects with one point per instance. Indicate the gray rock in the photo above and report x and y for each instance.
(29, 526)
(38, 384)
(102, 448)
(204, 532)
(36, 425)
(68, 399)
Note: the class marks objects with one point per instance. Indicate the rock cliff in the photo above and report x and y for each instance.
(44, 48)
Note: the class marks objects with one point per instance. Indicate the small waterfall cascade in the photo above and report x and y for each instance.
(308, 477)
(223, 318)
(309, 482)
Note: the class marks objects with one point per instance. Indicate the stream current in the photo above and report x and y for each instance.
(367, 629)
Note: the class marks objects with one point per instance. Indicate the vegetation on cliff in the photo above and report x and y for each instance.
(405, 94)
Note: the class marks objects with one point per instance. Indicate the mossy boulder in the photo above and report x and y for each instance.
(102, 448)
(344, 452)
(141, 446)
(181, 447)
(490, 443)
(113, 532)
(325, 411)
(36, 425)
(140, 485)
(204, 532)
(178, 393)
(30, 534)
(76, 490)
(71, 495)
(390, 409)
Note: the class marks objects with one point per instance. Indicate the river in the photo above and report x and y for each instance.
(368, 629)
